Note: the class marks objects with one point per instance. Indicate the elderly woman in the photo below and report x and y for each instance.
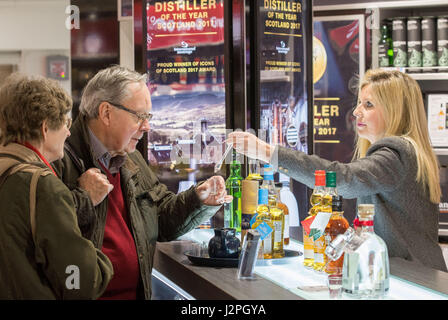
(394, 166)
(42, 252)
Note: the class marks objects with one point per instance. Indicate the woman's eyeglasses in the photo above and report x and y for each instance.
(140, 115)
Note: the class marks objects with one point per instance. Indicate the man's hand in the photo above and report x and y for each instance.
(213, 191)
(96, 185)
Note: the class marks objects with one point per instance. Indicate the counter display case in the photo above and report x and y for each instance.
(282, 279)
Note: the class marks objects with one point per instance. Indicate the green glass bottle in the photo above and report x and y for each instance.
(232, 211)
(385, 47)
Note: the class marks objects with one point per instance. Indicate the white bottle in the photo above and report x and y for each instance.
(289, 199)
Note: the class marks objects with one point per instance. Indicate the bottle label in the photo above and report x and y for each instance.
(253, 220)
(263, 195)
(267, 244)
(318, 225)
(264, 229)
(308, 247)
(278, 231)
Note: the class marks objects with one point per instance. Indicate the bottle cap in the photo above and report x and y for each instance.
(319, 178)
(330, 179)
(268, 172)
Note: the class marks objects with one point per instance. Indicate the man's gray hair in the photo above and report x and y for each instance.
(110, 84)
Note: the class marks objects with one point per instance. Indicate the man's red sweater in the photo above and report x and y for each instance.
(119, 246)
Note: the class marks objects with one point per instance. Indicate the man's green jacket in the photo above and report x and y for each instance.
(156, 214)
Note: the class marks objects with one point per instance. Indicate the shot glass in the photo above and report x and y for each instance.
(334, 282)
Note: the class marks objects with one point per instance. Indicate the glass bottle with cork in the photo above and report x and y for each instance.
(365, 271)
(315, 201)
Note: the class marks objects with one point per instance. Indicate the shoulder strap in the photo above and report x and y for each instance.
(33, 194)
(37, 170)
(76, 160)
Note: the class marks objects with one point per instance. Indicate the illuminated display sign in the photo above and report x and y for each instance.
(185, 65)
(283, 91)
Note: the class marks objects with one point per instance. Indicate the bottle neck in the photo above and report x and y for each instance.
(331, 191)
(235, 168)
(363, 224)
(337, 214)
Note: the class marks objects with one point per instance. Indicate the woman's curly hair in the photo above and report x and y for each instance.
(25, 102)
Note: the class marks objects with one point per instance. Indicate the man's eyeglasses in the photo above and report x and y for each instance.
(140, 115)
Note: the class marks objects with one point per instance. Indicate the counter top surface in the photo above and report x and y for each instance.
(284, 279)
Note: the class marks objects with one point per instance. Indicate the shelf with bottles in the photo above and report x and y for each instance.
(421, 73)
(418, 37)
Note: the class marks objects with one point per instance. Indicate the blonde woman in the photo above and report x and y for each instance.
(393, 168)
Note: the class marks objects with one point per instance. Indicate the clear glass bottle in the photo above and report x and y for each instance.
(315, 201)
(232, 212)
(365, 272)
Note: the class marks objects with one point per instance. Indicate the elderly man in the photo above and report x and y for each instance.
(121, 205)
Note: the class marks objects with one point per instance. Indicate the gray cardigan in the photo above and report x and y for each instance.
(404, 217)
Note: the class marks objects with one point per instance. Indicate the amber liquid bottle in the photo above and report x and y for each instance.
(336, 226)
(315, 201)
(320, 260)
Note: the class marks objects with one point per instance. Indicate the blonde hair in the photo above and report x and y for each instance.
(404, 113)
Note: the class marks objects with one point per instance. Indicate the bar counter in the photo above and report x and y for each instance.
(281, 279)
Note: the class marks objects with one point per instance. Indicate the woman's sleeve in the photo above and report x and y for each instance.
(382, 170)
(74, 268)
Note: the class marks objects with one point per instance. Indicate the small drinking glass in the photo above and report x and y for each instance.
(334, 282)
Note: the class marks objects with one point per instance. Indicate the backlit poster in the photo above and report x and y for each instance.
(185, 63)
(338, 64)
(283, 91)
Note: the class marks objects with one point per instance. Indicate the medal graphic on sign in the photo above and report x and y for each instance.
(319, 59)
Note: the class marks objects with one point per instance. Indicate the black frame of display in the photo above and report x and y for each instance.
(255, 91)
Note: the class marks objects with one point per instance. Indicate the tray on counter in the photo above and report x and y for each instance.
(205, 260)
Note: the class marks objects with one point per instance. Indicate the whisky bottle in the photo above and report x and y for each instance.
(315, 201)
(263, 216)
(336, 226)
(320, 259)
(232, 212)
(278, 220)
(276, 213)
(285, 209)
